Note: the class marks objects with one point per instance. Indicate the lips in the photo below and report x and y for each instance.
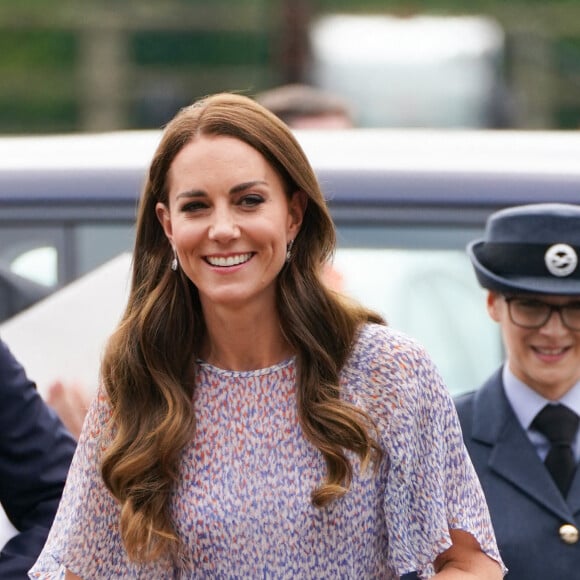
(228, 261)
(551, 355)
(551, 351)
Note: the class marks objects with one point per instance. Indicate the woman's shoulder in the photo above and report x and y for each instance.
(378, 345)
(387, 364)
(392, 377)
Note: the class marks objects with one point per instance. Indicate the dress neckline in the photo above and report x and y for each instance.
(243, 374)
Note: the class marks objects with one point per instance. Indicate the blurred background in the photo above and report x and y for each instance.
(100, 65)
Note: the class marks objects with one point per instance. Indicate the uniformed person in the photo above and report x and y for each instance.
(521, 426)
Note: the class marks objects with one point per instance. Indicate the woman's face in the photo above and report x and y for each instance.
(229, 220)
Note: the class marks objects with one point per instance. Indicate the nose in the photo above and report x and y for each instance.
(223, 227)
(554, 324)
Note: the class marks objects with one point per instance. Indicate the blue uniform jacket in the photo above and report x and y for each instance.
(526, 507)
(35, 453)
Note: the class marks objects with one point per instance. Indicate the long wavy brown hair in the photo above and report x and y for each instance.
(147, 366)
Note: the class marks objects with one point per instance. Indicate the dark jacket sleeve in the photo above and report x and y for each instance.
(35, 454)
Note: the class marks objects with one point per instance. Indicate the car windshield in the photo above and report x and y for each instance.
(420, 279)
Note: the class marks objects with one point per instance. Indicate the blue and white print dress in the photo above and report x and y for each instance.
(243, 507)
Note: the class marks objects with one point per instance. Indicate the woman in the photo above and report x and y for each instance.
(253, 423)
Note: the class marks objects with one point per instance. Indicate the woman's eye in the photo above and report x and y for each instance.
(193, 206)
(251, 200)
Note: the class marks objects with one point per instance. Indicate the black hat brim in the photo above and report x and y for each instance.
(518, 284)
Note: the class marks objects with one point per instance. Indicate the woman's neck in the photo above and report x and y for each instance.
(243, 341)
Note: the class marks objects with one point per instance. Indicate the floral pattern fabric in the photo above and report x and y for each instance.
(243, 503)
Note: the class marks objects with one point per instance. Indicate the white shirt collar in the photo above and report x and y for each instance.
(527, 403)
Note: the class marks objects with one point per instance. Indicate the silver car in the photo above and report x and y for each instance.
(405, 203)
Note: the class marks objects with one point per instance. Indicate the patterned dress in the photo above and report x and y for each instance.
(242, 506)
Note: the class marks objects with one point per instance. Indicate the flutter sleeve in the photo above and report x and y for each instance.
(431, 485)
(85, 537)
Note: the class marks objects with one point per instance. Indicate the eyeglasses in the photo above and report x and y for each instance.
(532, 313)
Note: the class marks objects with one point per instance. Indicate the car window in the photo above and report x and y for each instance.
(39, 264)
(32, 252)
(99, 243)
(422, 282)
(55, 255)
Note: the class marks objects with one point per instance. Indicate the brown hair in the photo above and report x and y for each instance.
(147, 366)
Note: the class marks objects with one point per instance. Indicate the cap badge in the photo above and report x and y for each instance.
(561, 260)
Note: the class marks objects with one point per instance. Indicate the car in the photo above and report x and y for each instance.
(405, 203)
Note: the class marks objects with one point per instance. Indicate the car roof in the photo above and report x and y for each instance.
(368, 170)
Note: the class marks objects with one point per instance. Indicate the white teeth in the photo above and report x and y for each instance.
(229, 261)
(551, 351)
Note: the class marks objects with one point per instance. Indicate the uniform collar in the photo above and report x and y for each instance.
(527, 403)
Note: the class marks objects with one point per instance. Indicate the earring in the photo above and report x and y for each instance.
(174, 262)
(289, 250)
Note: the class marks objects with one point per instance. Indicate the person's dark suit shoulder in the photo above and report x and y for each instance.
(35, 454)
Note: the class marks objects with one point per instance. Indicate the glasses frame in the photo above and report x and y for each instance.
(559, 308)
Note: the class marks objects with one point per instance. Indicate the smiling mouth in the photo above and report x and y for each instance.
(551, 351)
(224, 262)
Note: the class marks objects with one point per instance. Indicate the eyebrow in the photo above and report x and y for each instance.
(235, 189)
